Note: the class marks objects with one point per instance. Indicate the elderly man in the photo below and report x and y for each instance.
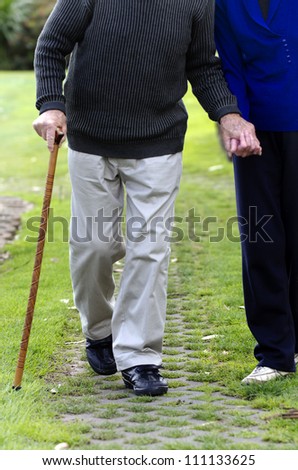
(122, 104)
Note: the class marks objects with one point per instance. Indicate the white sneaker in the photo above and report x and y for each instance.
(296, 359)
(263, 374)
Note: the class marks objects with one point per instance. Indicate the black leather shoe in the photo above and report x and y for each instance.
(100, 356)
(145, 380)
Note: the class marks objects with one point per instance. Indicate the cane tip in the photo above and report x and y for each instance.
(16, 387)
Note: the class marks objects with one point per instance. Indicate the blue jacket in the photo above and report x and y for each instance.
(260, 60)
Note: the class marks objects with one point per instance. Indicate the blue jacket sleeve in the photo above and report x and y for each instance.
(231, 56)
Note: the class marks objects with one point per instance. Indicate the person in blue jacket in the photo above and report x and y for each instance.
(257, 41)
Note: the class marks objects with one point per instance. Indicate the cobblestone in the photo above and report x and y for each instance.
(11, 210)
(193, 415)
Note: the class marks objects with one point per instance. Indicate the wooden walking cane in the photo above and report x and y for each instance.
(37, 263)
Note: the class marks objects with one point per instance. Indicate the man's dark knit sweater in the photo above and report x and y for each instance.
(130, 64)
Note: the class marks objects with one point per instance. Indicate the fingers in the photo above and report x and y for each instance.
(233, 147)
(50, 138)
(239, 136)
(48, 123)
(248, 145)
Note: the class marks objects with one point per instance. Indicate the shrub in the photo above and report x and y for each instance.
(20, 24)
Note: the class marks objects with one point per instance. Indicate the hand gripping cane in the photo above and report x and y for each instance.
(37, 263)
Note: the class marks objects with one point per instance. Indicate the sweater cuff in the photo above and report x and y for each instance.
(230, 109)
(51, 105)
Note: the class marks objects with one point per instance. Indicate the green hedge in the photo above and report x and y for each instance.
(20, 24)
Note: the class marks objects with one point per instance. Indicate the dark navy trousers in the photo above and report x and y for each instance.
(267, 206)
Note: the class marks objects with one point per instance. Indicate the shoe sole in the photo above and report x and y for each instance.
(152, 392)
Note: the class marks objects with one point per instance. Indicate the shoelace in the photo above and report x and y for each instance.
(149, 373)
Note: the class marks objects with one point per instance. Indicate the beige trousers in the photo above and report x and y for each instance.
(100, 189)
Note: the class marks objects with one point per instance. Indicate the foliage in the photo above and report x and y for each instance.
(20, 24)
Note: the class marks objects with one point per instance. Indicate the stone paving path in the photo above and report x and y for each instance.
(11, 210)
(192, 415)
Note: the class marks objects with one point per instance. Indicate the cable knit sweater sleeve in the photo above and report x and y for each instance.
(203, 67)
(64, 28)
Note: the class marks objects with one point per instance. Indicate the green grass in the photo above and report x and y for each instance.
(205, 298)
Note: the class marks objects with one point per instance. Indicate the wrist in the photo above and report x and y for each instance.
(53, 106)
(228, 116)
